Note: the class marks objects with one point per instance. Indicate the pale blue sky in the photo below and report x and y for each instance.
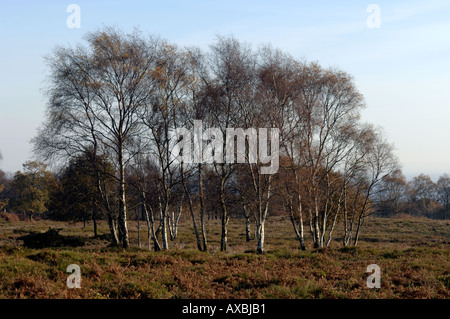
(402, 68)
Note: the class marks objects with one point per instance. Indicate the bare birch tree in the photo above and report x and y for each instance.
(229, 69)
(95, 97)
(162, 118)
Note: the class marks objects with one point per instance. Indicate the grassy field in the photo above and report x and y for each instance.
(413, 254)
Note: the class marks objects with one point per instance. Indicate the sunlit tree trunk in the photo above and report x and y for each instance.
(202, 208)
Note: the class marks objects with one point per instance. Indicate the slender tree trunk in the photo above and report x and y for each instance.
(225, 218)
(147, 220)
(323, 230)
(361, 216)
(104, 196)
(344, 241)
(360, 222)
(325, 213)
(174, 220)
(177, 220)
(94, 221)
(248, 237)
(123, 230)
(191, 210)
(298, 229)
(113, 229)
(352, 223)
(311, 228)
(332, 228)
(202, 208)
(314, 220)
(150, 218)
(172, 224)
(148, 234)
(263, 208)
(139, 232)
(197, 234)
(247, 229)
(300, 223)
(338, 209)
(260, 236)
(163, 211)
(169, 226)
(317, 243)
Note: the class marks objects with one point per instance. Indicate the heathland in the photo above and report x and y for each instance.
(413, 255)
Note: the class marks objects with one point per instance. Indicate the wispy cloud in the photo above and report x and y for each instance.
(410, 10)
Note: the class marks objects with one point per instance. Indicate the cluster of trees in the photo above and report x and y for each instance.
(3, 201)
(29, 190)
(419, 197)
(113, 108)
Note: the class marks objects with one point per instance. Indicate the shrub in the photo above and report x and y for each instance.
(9, 217)
(51, 238)
(445, 280)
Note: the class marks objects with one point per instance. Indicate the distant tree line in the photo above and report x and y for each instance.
(114, 105)
(418, 197)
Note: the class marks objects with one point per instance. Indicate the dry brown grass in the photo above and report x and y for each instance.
(413, 256)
